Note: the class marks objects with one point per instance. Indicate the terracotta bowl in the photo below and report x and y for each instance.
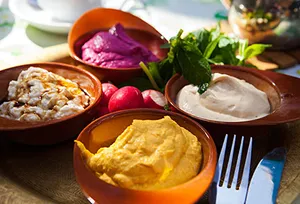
(101, 19)
(52, 131)
(103, 131)
(282, 91)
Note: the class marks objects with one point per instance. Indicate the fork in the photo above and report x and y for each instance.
(223, 194)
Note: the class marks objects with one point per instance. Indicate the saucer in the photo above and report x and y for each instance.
(37, 17)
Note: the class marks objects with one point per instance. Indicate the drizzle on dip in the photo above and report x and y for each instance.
(39, 95)
(227, 99)
(115, 49)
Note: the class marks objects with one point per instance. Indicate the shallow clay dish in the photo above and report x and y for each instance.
(100, 19)
(282, 91)
(52, 131)
(103, 131)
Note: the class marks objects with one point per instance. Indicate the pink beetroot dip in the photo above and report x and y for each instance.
(115, 49)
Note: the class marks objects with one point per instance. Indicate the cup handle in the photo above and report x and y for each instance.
(226, 3)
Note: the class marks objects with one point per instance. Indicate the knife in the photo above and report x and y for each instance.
(265, 181)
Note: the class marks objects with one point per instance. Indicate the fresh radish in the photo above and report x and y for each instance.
(154, 99)
(127, 97)
(107, 91)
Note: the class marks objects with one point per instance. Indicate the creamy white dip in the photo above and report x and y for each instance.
(227, 99)
(39, 95)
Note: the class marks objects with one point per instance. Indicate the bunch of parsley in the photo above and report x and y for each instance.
(192, 55)
(219, 48)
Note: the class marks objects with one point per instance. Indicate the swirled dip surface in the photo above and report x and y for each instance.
(227, 99)
(149, 154)
(39, 95)
(115, 49)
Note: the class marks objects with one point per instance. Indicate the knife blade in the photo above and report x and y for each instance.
(265, 181)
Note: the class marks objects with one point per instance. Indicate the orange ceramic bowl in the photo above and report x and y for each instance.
(282, 91)
(101, 19)
(57, 130)
(103, 132)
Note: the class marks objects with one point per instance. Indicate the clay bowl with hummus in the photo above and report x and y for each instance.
(46, 103)
(270, 98)
(144, 155)
(110, 43)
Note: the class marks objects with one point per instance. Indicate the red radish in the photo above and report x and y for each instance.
(103, 111)
(107, 91)
(127, 97)
(154, 99)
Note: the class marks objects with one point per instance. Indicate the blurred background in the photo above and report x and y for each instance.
(26, 26)
(23, 23)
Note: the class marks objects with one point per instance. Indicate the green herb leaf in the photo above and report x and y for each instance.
(174, 45)
(166, 107)
(166, 70)
(254, 50)
(215, 32)
(153, 69)
(211, 47)
(218, 48)
(190, 38)
(243, 44)
(202, 39)
(191, 55)
(218, 59)
(211, 61)
(176, 65)
(229, 56)
(149, 75)
(225, 41)
(195, 68)
(203, 88)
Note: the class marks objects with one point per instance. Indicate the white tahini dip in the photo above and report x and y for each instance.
(227, 99)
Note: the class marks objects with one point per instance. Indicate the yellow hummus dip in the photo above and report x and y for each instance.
(149, 154)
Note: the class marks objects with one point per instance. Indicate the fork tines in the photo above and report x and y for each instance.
(246, 171)
(232, 192)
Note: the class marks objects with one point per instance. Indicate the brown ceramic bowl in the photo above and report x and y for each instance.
(282, 91)
(103, 132)
(52, 131)
(100, 19)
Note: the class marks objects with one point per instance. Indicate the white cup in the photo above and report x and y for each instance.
(67, 10)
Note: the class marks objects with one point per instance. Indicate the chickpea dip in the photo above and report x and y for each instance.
(227, 99)
(148, 155)
(40, 95)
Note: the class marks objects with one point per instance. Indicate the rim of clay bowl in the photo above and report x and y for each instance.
(71, 44)
(284, 85)
(206, 173)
